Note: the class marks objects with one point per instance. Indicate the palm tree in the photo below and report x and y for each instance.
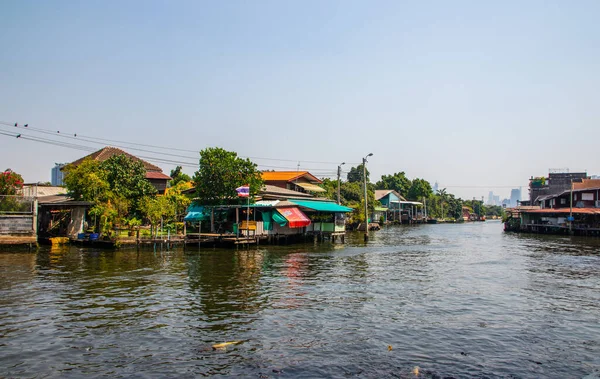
(443, 197)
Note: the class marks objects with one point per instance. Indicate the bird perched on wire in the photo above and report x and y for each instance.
(18, 135)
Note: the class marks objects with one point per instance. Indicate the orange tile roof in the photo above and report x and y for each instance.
(288, 176)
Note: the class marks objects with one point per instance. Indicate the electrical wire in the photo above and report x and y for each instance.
(318, 171)
(97, 139)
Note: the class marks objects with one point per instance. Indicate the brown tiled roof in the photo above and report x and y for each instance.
(157, 175)
(288, 176)
(107, 152)
(586, 184)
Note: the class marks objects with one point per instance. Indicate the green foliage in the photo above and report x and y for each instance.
(419, 189)
(495, 210)
(115, 187)
(356, 174)
(126, 178)
(157, 208)
(397, 182)
(330, 186)
(454, 207)
(220, 173)
(351, 192)
(178, 177)
(87, 181)
(476, 207)
(179, 201)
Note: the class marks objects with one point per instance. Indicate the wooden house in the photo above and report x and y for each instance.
(398, 208)
(299, 181)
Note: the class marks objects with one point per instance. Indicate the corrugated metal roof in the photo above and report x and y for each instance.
(380, 194)
(288, 176)
(36, 190)
(311, 187)
(322, 206)
(282, 192)
(563, 210)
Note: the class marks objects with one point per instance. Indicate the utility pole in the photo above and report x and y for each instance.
(366, 208)
(571, 210)
(339, 174)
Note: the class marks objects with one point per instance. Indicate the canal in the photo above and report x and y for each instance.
(430, 301)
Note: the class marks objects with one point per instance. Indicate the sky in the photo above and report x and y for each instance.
(477, 96)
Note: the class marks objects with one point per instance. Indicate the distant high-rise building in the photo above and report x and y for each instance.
(515, 197)
(57, 174)
(435, 187)
(491, 198)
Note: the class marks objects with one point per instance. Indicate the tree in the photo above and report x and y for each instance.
(330, 187)
(221, 172)
(454, 207)
(179, 201)
(397, 182)
(157, 208)
(10, 185)
(419, 189)
(87, 181)
(115, 187)
(10, 182)
(356, 174)
(126, 178)
(177, 177)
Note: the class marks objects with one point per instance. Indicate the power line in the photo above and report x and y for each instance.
(86, 148)
(96, 139)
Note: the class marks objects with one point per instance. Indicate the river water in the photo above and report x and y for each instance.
(429, 301)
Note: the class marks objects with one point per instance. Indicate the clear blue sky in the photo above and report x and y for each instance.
(466, 93)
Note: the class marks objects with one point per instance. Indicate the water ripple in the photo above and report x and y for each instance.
(456, 301)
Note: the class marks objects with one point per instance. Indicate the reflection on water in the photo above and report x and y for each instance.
(454, 300)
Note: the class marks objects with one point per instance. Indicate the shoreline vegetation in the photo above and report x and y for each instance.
(124, 205)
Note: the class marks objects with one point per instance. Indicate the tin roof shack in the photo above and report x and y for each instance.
(61, 216)
(582, 203)
(398, 208)
(585, 221)
(154, 173)
(300, 181)
(281, 215)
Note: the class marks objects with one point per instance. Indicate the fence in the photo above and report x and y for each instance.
(16, 204)
(18, 215)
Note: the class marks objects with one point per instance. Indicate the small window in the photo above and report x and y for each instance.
(563, 201)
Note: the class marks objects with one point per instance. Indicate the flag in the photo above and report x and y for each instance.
(243, 191)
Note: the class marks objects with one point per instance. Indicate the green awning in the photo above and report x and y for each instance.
(197, 213)
(279, 219)
(322, 206)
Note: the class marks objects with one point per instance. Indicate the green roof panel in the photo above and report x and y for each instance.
(322, 206)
